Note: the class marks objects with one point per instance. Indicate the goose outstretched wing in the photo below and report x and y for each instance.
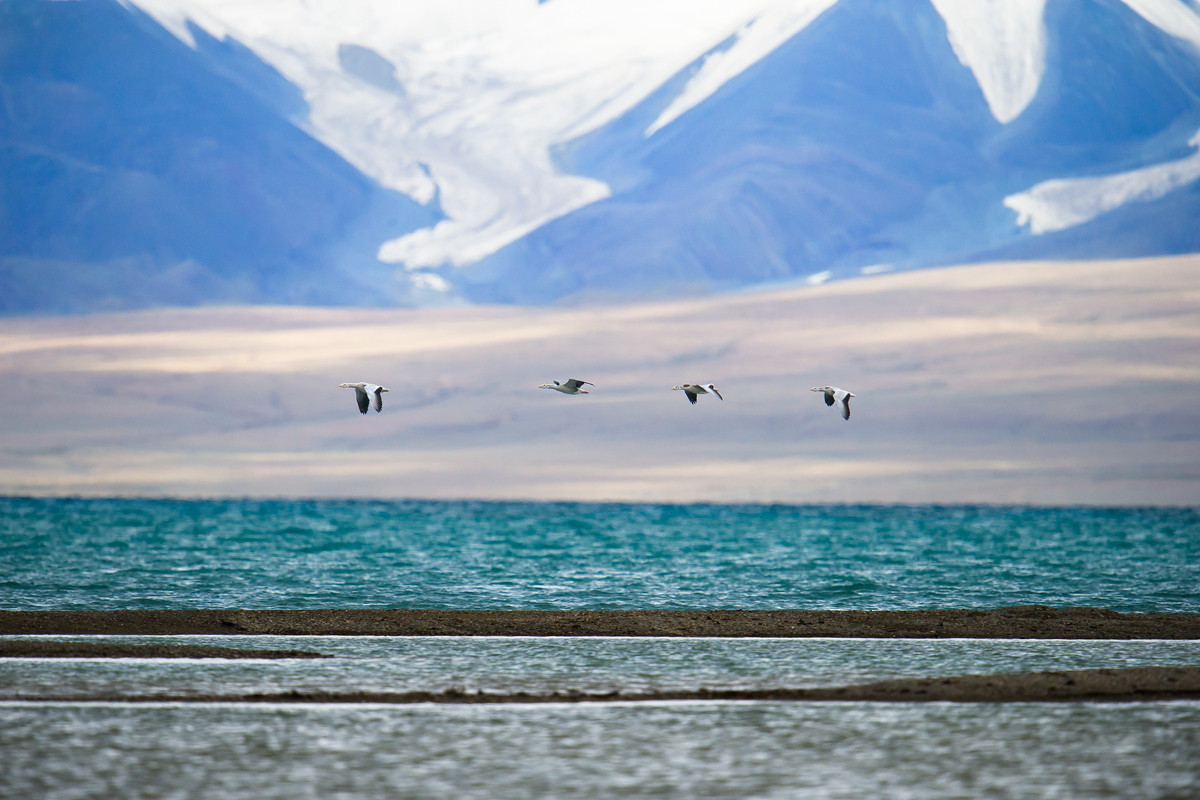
(843, 403)
(376, 398)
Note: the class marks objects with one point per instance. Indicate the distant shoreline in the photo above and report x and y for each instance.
(1017, 622)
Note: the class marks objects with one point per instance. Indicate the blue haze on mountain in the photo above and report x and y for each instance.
(136, 171)
(865, 141)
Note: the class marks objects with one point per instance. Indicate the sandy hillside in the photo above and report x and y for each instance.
(1033, 382)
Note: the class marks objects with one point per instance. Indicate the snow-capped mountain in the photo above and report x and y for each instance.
(522, 151)
(136, 171)
(865, 143)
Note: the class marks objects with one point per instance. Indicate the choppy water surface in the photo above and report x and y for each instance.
(547, 664)
(251, 554)
(678, 750)
(259, 554)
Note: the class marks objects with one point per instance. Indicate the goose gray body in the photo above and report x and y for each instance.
(835, 395)
(694, 390)
(570, 386)
(368, 395)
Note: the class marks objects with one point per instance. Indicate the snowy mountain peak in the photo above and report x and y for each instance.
(579, 145)
(758, 37)
(482, 89)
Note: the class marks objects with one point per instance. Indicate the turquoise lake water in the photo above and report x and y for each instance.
(424, 554)
(258, 554)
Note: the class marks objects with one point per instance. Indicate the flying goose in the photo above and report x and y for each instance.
(572, 386)
(835, 395)
(368, 395)
(692, 390)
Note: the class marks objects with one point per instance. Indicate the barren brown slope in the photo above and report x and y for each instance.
(1031, 382)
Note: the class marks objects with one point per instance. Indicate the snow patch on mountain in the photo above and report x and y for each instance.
(461, 101)
(756, 39)
(486, 87)
(1170, 16)
(1003, 43)
(1058, 204)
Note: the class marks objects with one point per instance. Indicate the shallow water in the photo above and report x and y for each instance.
(350, 554)
(672, 750)
(547, 664)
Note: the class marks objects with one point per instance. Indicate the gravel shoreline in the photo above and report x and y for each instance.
(1017, 622)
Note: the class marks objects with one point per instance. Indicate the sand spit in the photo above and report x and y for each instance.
(1138, 684)
(1017, 622)
(24, 648)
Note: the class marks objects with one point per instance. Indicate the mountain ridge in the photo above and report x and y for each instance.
(187, 166)
(964, 220)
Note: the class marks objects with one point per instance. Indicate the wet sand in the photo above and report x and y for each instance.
(1138, 684)
(24, 648)
(1017, 622)
(1020, 622)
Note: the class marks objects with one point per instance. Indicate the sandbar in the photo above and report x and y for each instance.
(26, 648)
(1016, 622)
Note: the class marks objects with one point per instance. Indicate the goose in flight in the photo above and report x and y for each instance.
(572, 386)
(368, 395)
(692, 390)
(835, 395)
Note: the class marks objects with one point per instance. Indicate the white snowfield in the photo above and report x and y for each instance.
(1064, 203)
(1003, 43)
(482, 89)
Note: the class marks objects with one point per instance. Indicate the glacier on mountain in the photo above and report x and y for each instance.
(515, 151)
(1003, 43)
(491, 86)
(1060, 203)
(1170, 16)
(758, 37)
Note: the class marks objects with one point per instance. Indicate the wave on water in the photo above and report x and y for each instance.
(163, 553)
